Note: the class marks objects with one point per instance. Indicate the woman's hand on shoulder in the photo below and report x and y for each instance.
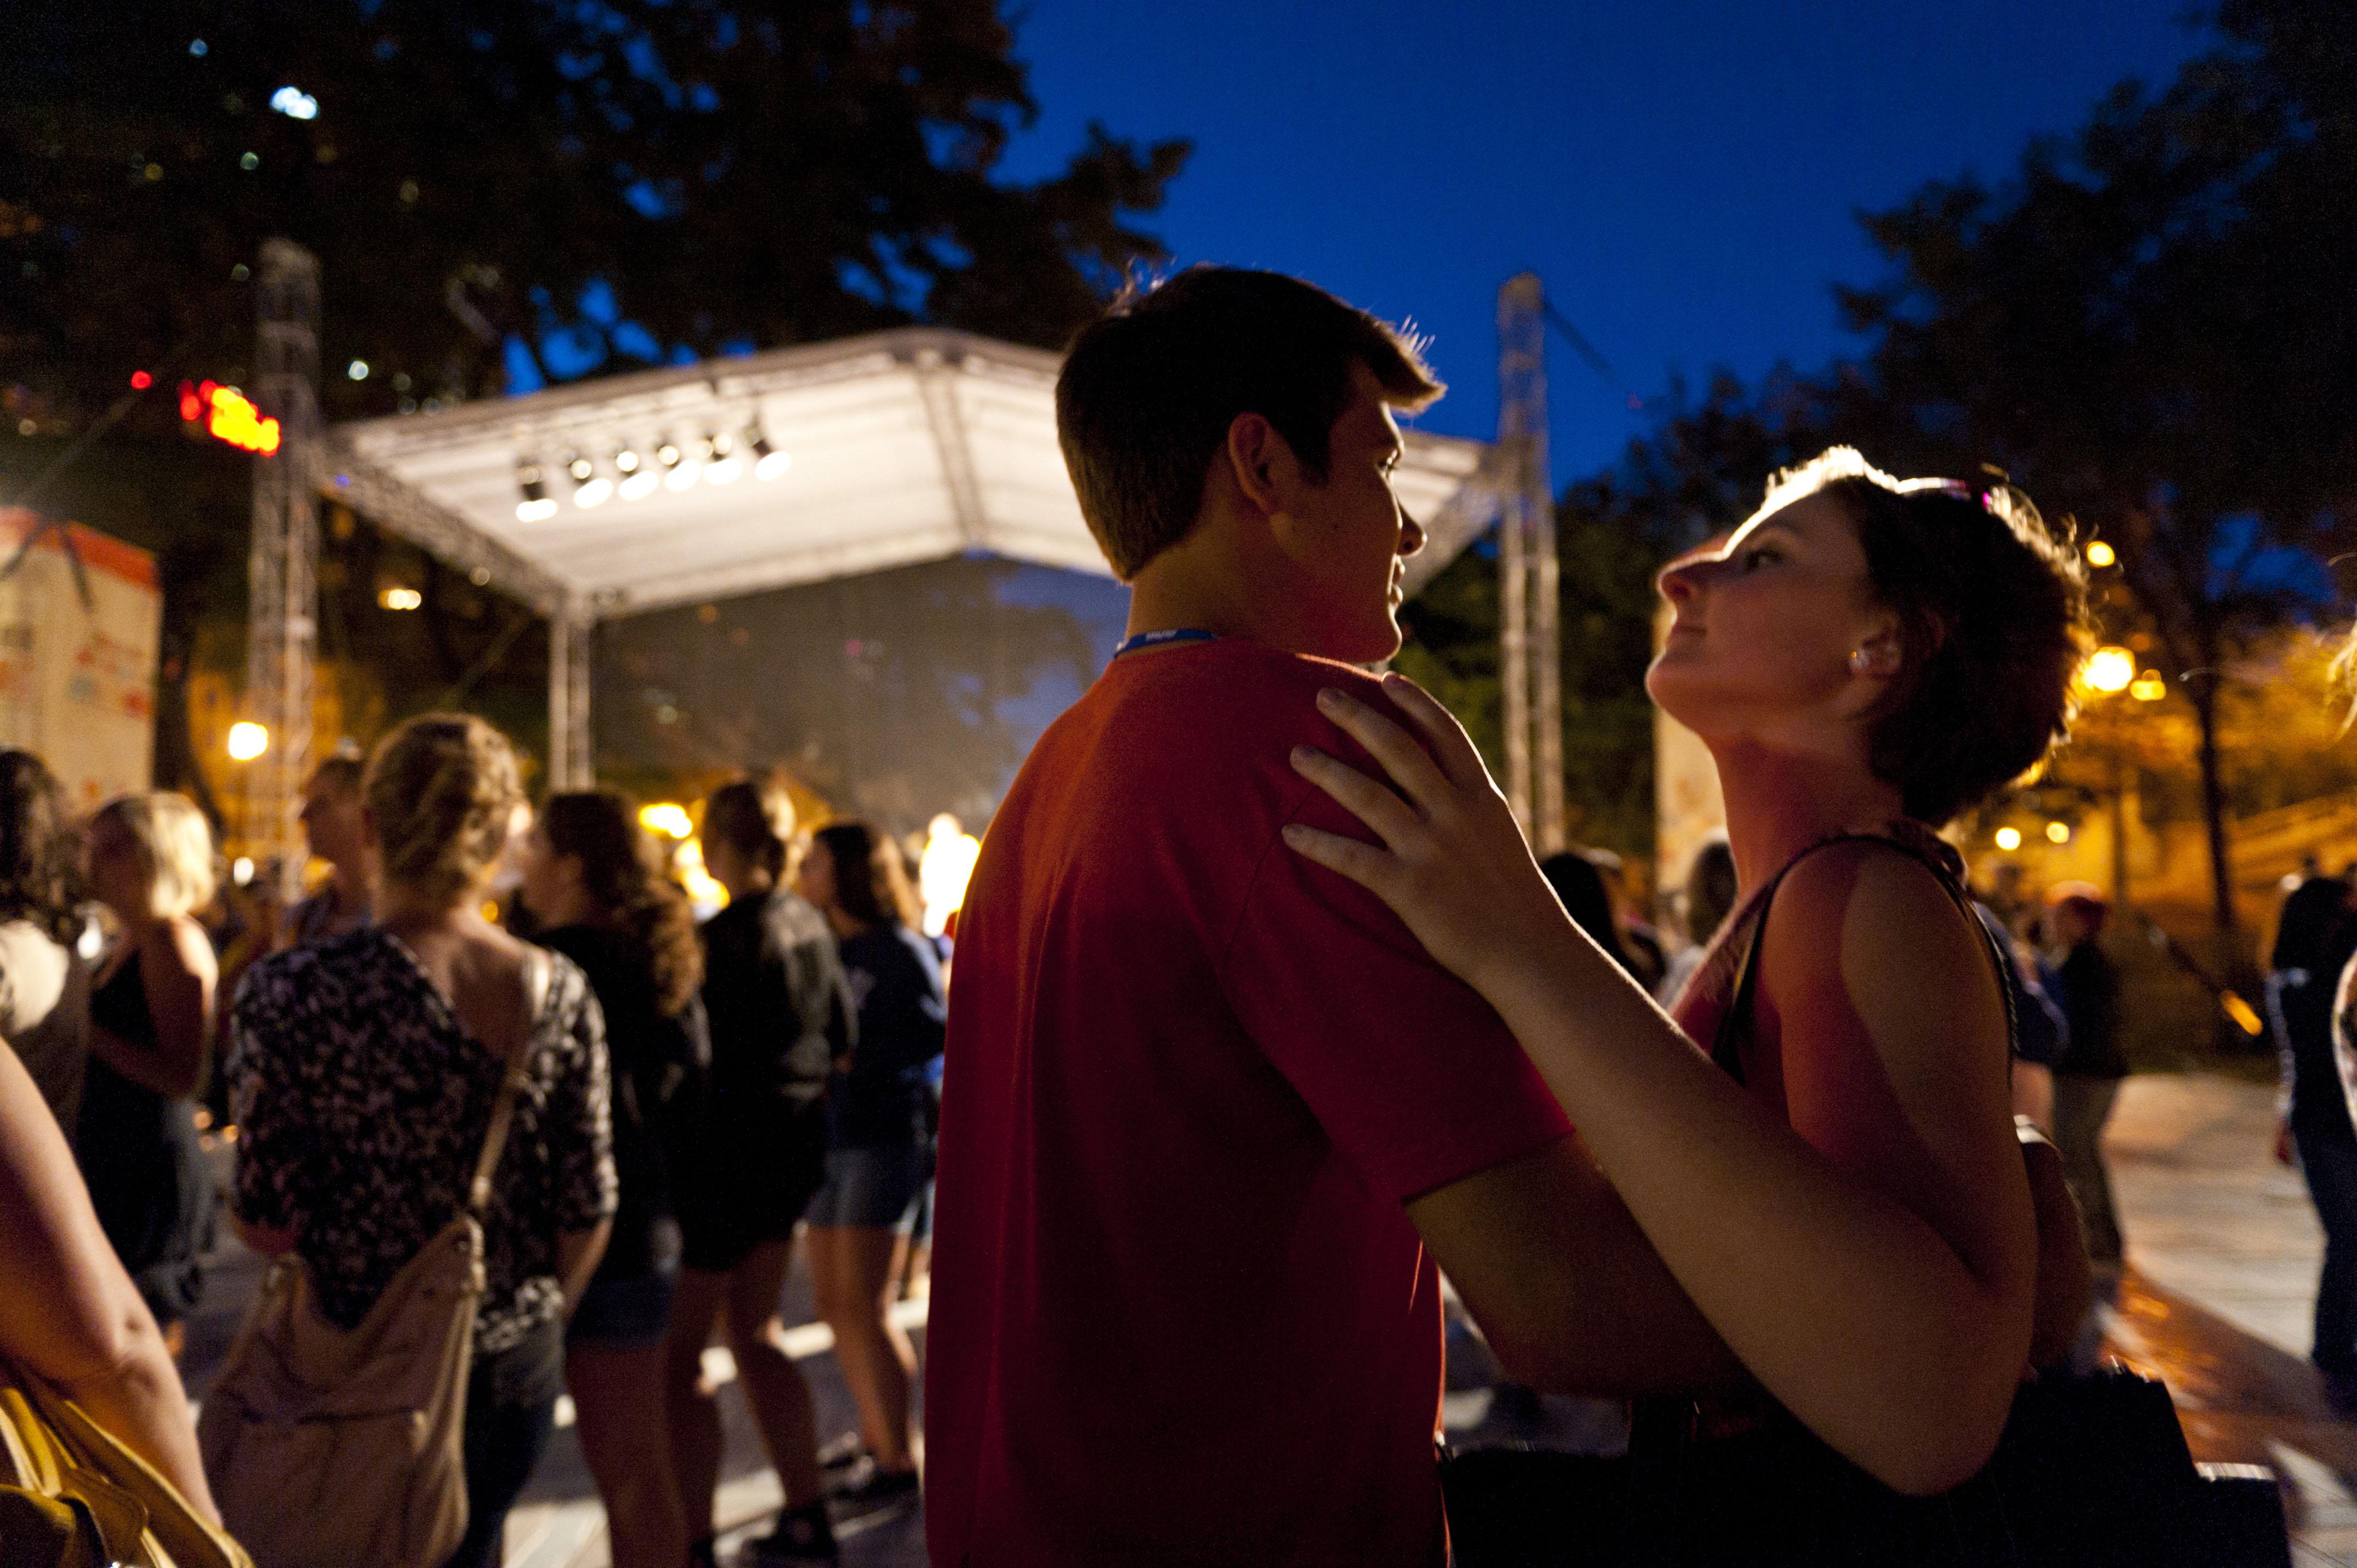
(1451, 862)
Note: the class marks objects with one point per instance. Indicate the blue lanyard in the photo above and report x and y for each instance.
(1157, 639)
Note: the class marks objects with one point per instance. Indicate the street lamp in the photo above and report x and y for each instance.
(2109, 669)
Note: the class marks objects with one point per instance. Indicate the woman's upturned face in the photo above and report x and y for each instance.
(1765, 626)
(815, 881)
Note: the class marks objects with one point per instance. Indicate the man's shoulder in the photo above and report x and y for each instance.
(1238, 698)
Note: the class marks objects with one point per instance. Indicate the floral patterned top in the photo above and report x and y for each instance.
(361, 1102)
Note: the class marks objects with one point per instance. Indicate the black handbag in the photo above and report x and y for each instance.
(2092, 1470)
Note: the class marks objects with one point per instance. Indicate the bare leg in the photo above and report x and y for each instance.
(774, 1386)
(692, 1403)
(854, 1269)
(628, 1454)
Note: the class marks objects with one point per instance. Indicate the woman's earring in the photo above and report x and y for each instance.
(1860, 660)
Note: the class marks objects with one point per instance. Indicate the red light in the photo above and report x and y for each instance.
(141, 381)
(191, 405)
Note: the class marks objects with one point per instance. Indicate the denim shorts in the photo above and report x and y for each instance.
(633, 1313)
(876, 1189)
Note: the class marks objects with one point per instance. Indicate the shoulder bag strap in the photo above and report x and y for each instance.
(536, 967)
(1725, 1049)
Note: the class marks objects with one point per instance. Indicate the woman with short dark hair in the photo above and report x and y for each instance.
(1864, 657)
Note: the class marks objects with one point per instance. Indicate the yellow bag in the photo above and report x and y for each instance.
(73, 1496)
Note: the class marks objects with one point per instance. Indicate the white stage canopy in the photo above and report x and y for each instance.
(734, 476)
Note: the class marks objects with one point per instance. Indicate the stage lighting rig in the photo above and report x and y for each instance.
(725, 466)
(768, 462)
(590, 487)
(686, 465)
(537, 506)
(639, 476)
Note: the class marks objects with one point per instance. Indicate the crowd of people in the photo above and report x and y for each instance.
(1265, 1018)
(688, 1095)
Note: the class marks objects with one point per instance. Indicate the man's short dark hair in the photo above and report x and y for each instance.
(1150, 388)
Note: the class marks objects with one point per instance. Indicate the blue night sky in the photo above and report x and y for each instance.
(1682, 174)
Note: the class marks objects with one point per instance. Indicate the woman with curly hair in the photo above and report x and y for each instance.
(1865, 657)
(591, 880)
(363, 1073)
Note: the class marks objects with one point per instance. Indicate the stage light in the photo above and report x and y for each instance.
(294, 103)
(358, 370)
(2099, 553)
(682, 468)
(2148, 687)
(2058, 833)
(247, 740)
(639, 476)
(590, 487)
(725, 466)
(768, 462)
(2009, 839)
(399, 599)
(537, 505)
(141, 381)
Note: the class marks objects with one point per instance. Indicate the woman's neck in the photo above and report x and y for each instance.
(752, 885)
(1778, 802)
(409, 913)
(349, 879)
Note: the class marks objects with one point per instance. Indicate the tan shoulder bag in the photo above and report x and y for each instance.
(328, 1445)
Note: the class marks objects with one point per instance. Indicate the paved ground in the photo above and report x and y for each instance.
(2223, 1250)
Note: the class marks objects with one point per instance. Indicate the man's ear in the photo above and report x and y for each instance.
(1266, 472)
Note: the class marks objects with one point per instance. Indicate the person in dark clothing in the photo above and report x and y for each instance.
(151, 1018)
(1580, 886)
(878, 1153)
(2315, 940)
(590, 879)
(782, 1016)
(2087, 1076)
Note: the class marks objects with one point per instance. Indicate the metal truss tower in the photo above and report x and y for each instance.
(282, 626)
(1528, 579)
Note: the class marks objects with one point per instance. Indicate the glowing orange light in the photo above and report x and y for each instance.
(141, 381)
(229, 415)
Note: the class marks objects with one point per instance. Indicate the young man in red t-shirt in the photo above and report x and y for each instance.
(1210, 1114)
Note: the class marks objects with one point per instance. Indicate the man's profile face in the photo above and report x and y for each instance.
(1357, 536)
(332, 821)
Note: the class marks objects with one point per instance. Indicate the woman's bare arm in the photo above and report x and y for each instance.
(68, 1312)
(1872, 1263)
(577, 1252)
(178, 972)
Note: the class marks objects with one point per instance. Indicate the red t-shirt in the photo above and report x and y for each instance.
(1179, 1315)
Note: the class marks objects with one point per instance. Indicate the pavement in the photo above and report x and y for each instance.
(2224, 1250)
